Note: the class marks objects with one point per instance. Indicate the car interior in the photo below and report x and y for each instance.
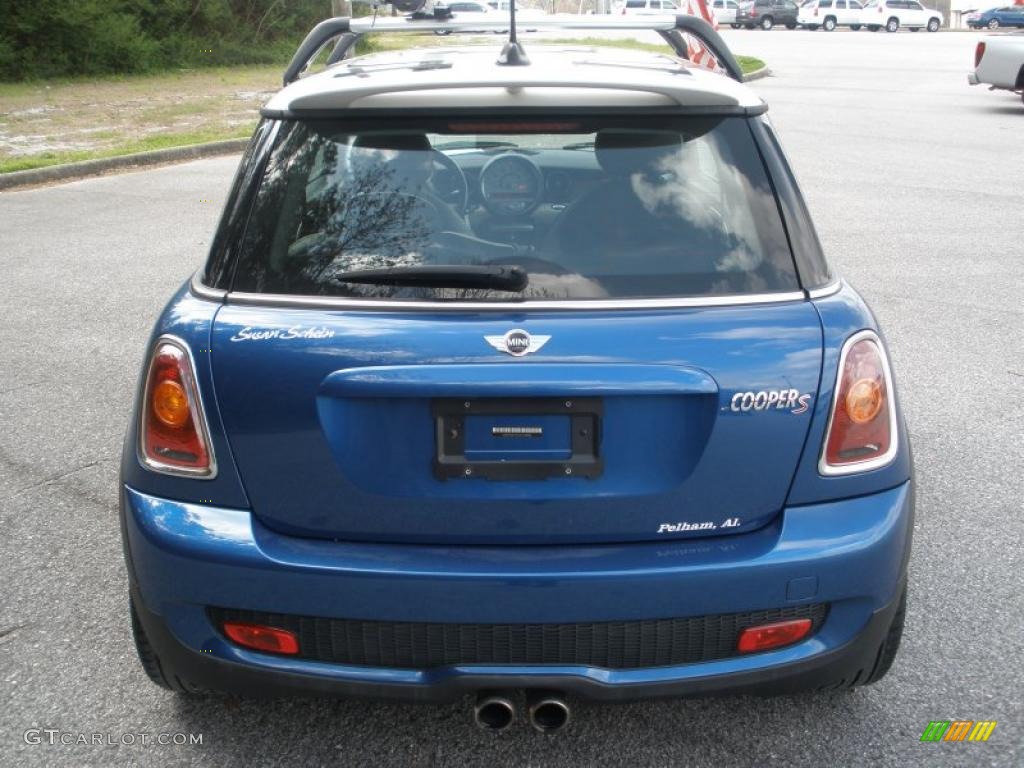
(588, 213)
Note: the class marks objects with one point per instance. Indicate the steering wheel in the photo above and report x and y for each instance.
(448, 182)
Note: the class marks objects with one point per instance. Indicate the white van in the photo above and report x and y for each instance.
(724, 12)
(649, 8)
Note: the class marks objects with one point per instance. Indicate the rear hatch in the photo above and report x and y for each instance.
(649, 377)
(338, 422)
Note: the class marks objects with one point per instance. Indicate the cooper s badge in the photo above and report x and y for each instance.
(791, 400)
(517, 342)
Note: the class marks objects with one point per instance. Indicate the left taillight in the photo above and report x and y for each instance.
(861, 432)
(173, 434)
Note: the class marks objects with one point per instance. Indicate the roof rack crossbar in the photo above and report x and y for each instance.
(348, 31)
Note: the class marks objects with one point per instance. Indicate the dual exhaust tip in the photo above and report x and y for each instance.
(547, 711)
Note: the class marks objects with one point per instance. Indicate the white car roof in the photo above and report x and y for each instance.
(469, 76)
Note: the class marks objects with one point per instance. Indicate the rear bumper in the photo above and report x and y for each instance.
(850, 554)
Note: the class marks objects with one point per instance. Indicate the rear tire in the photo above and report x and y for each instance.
(933, 25)
(790, 25)
(829, 24)
(767, 23)
(154, 667)
(892, 25)
(891, 644)
(994, 24)
(736, 26)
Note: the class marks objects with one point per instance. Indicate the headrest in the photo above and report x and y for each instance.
(623, 153)
(409, 142)
(404, 155)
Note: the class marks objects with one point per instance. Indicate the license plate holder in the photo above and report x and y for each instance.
(511, 421)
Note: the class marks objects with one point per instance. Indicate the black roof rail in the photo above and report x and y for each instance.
(314, 42)
(347, 31)
(707, 34)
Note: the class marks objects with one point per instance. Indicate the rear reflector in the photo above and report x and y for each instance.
(772, 635)
(262, 638)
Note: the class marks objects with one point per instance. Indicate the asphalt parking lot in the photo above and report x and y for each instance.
(916, 182)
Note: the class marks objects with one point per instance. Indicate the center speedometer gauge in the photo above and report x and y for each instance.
(511, 185)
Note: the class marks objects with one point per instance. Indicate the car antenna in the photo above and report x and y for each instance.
(513, 55)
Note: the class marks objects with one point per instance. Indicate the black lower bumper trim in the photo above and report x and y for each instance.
(842, 667)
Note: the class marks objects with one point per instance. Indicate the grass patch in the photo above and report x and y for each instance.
(150, 143)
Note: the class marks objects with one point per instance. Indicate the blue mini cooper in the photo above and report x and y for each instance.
(508, 375)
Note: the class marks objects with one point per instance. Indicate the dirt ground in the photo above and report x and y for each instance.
(42, 123)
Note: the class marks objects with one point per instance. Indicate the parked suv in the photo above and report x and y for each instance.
(516, 377)
(893, 14)
(994, 18)
(829, 14)
(767, 13)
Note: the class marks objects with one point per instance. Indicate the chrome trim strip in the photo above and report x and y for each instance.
(194, 391)
(329, 302)
(828, 470)
(828, 290)
(205, 292)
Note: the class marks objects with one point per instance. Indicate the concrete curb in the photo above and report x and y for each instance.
(87, 168)
(757, 74)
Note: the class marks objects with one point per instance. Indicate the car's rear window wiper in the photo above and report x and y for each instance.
(494, 277)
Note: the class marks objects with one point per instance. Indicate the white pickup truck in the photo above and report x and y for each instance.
(999, 62)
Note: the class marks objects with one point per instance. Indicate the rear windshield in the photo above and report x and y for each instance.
(651, 208)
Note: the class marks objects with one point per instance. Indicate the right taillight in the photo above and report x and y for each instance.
(978, 53)
(173, 436)
(861, 432)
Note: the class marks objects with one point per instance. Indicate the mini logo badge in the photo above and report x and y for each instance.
(517, 342)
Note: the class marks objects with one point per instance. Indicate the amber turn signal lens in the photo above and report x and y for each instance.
(864, 401)
(170, 403)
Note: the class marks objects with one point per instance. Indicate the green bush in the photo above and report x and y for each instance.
(53, 38)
